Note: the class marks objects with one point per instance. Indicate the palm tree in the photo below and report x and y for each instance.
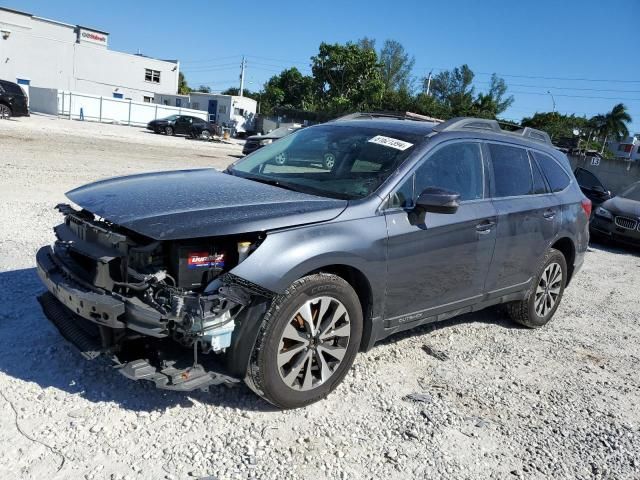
(612, 124)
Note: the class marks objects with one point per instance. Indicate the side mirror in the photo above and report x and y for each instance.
(435, 200)
(438, 200)
(599, 189)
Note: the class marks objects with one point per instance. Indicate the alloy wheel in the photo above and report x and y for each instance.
(329, 160)
(548, 289)
(313, 343)
(280, 158)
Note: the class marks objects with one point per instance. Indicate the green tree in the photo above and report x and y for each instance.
(289, 89)
(367, 43)
(347, 78)
(245, 93)
(497, 93)
(396, 66)
(556, 124)
(454, 89)
(203, 89)
(183, 87)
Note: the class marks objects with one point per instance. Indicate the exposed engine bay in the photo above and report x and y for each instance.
(135, 287)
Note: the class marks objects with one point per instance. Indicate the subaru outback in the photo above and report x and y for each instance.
(277, 274)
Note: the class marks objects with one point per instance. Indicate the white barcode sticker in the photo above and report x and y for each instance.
(390, 142)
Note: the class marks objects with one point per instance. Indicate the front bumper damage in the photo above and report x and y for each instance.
(92, 320)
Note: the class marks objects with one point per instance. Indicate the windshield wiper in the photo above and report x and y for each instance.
(271, 181)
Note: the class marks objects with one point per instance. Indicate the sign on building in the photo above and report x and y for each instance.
(89, 36)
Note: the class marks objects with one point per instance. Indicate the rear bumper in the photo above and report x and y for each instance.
(89, 320)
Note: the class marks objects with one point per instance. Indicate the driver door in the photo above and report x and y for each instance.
(442, 264)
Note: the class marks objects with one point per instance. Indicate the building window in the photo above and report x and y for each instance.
(147, 99)
(222, 109)
(195, 106)
(238, 111)
(117, 95)
(178, 102)
(166, 102)
(152, 76)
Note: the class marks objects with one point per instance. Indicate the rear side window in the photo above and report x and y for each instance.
(12, 88)
(511, 170)
(556, 176)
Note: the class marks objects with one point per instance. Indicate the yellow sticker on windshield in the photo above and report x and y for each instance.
(390, 142)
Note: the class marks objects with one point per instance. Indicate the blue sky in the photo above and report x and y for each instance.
(584, 52)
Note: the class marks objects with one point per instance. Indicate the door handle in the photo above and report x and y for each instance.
(485, 227)
(549, 214)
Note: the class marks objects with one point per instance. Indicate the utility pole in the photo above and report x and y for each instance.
(429, 82)
(242, 66)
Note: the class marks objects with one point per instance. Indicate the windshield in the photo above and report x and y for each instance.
(632, 193)
(331, 160)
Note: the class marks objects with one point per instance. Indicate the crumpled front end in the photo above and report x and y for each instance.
(157, 308)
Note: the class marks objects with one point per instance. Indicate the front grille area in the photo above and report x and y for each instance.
(626, 222)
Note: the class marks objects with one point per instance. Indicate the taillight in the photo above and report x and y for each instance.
(586, 206)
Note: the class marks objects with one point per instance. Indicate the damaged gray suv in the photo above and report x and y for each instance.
(278, 273)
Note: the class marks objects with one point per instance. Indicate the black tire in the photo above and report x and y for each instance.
(5, 111)
(168, 130)
(525, 312)
(265, 377)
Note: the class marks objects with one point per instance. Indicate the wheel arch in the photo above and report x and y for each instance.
(565, 246)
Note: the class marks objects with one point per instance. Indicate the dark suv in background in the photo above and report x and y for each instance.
(282, 271)
(13, 101)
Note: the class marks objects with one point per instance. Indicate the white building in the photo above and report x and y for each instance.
(626, 149)
(46, 53)
(228, 110)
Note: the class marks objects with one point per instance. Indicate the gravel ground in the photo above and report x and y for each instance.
(474, 397)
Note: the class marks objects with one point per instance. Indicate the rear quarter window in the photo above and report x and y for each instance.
(511, 170)
(557, 178)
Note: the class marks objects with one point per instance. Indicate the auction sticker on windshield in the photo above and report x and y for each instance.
(390, 142)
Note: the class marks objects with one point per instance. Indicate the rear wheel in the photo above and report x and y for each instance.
(307, 342)
(5, 111)
(545, 295)
(205, 135)
(168, 130)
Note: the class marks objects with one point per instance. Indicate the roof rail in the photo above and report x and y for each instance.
(396, 115)
(470, 123)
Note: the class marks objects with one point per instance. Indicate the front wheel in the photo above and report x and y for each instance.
(5, 111)
(307, 342)
(546, 292)
(168, 130)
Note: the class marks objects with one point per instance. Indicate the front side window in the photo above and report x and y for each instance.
(330, 160)
(556, 176)
(456, 167)
(152, 76)
(511, 170)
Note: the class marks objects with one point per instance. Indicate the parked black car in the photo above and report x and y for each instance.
(175, 124)
(619, 217)
(282, 274)
(592, 187)
(254, 142)
(13, 100)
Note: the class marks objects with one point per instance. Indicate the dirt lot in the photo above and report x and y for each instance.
(506, 402)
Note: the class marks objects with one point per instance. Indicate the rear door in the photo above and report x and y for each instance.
(528, 218)
(442, 264)
(183, 124)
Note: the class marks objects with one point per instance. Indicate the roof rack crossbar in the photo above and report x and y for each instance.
(459, 123)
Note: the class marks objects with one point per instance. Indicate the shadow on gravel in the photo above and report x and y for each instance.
(613, 247)
(491, 315)
(34, 351)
